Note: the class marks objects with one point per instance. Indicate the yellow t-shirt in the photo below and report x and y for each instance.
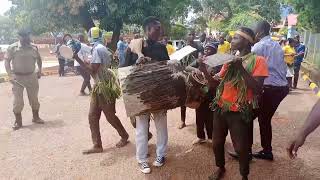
(170, 49)
(287, 51)
(224, 48)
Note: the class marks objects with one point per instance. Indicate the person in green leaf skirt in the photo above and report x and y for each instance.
(236, 96)
(104, 94)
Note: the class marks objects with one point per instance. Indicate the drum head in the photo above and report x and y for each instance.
(66, 52)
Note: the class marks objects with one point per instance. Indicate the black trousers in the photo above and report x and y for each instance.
(296, 75)
(270, 100)
(86, 79)
(183, 111)
(61, 66)
(204, 120)
(239, 128)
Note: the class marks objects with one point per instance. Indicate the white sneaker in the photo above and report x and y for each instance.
(198, 141)
(159, 161)
(144, 167)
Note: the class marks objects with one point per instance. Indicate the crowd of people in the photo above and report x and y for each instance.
(251, 86)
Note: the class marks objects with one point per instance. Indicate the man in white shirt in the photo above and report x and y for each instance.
(83, 54)
(275, 87)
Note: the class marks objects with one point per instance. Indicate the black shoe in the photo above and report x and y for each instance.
(244, 177)
(235, 155)
(149, 136)
(264, 155)
(18, 123)
(218, 174)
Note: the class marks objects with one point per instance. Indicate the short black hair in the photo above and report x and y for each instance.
(291, 40)
(248, 31)
(265, 27)
(170, 42)
(149, 21)
(65, 36)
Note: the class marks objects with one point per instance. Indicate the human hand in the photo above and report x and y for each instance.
(86, 62)
(294, 146)
(143, 60)
(39, 74)
(11, 78)
(202, 67)
(196, 72)
(75, 56)
(237, 62)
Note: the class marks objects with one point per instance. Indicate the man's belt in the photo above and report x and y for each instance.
(274, 87)
(23, 74)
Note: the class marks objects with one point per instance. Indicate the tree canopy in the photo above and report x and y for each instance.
(7, 30)
(309, 13)
(59, 15)
(229, 14)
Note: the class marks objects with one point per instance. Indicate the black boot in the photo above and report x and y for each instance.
(18, 123)
(36, 119)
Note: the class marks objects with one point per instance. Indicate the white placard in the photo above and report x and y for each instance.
(66, 52)
(183, 52)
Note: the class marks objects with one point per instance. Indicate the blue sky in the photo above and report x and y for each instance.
(4, 6)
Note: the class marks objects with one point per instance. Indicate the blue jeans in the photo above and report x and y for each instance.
(142, 129)
(122, 59)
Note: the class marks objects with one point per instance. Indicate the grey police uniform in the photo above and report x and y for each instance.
(24, 59)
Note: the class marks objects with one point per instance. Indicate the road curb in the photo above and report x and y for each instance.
(313, 86)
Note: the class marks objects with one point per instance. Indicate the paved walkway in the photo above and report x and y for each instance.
(53, 150)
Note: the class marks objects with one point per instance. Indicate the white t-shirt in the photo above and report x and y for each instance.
(84, 53)
(101, 55)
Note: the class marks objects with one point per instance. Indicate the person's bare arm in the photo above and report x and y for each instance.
(39, 63)
(193, 66)
(212, 82)
(312, 123)
(7, 63)
(91, 68)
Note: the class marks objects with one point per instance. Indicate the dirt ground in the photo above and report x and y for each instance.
(53, 150)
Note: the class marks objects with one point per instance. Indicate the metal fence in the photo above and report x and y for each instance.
(312, 43)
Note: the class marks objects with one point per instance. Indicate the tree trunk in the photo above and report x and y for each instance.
(85, 18)
(115, 35)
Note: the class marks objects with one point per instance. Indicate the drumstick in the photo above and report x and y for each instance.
(16, 82)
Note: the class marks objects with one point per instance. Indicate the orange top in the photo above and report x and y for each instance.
(230, 93)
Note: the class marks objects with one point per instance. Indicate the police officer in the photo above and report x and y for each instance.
(20, 65)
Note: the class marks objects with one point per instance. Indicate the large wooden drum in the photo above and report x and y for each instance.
(159, 86)
(152, 87)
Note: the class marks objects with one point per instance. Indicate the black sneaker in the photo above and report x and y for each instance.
(159, 161)
(144, 167)
(264, 155)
